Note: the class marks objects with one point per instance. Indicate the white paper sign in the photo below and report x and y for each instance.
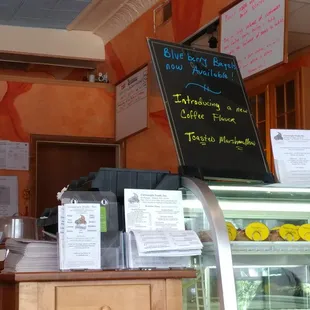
(131, 105)
(82, 243)
(291, 151)
(17, 156)
(254, 32)
(14, 155)
(8, 195)
(3, 148)
(153, 210)
(168, 243)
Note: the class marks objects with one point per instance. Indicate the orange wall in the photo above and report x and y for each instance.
(153, 148)
(128, 51)
(49, 109)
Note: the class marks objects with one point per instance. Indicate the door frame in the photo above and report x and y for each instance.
(35, 139)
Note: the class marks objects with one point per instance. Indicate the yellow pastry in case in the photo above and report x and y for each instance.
(232, 231)
(289, 232)
(304, 232)
(257, 231)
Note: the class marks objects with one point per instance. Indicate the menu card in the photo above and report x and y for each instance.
(79, 236)
(291, 151)
(153, 210)
(168, 243)
(156, 237)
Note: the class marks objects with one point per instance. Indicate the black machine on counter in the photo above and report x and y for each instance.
(107, 188)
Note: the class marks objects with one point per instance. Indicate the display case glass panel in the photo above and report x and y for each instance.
(271, 260)
(195, 291)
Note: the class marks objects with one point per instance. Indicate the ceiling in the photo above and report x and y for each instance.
(102, 17)
(298, 25)
(72, 29)
(56, 14)
(69, 23)
(107, 18)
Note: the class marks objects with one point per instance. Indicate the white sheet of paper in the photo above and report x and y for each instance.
(134, 260)
(159, 241)
(3, 148)
(8, 195)
(153, 210)
(291, 151)
(61, 229)
(82, 238)
(17, 156)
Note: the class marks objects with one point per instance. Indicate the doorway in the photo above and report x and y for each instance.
(56, 161)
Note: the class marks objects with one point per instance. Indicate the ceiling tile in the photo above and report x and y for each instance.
(299, 21)
(41, 13)
(9, 2)
(303, 1)
(293, 6)
(30, 11)
(41, 23)
(72, 5)
(297, 41)
(61, 15)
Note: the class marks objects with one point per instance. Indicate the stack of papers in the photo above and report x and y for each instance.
(155, 232)
(167, 243)
(30, 256)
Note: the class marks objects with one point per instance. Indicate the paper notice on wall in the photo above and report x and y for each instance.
(8, 195)
(3, 148)
(14, 155)
(291, 151)
(153, 210)
(17, 156)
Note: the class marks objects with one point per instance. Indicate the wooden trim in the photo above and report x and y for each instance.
(132, 73)
(286, 18)
(174, 294)
(268, 126)
(97, 275)
(304, 97)
(35, 139)
(264, 89)
(27, 79)
(298, 103)
(228, 7)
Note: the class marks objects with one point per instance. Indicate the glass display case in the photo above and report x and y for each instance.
(256, 252)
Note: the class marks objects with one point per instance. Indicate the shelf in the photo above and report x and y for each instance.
(263, 248)
(35, 80)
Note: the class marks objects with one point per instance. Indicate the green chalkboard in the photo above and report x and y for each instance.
(208, 112)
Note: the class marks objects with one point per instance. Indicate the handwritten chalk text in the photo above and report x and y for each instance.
(191, 114)
(219, 118)
(187, 100)
(209, 73)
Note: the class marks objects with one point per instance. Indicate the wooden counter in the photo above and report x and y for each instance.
(102, 290)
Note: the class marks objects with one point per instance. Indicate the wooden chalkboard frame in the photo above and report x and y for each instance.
(200, 172)
(285, 49)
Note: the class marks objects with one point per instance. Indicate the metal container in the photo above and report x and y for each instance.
(18, 227)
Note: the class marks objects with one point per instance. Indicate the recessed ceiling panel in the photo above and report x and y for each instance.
(299, 20)
(40, 13)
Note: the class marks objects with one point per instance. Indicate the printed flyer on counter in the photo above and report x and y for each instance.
(153, 210)
(80, 231)
(291, 151)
